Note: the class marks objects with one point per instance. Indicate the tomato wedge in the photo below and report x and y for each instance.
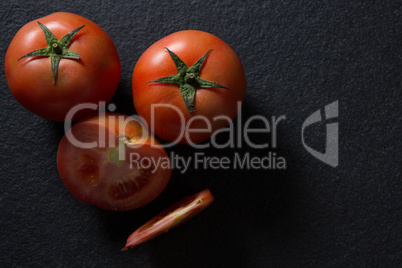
(170, 217)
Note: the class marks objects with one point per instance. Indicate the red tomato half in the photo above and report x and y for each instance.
(92, 77)
(122, 168)
(206, 103)
(171, 217)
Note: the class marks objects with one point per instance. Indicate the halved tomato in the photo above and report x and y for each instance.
(111, 161)
(171, 217)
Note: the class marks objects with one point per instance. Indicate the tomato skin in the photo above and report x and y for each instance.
(94, 176)
(171, 217)
(221, 66)
(92, 78)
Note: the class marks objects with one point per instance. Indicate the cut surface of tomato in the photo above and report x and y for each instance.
(170, 217)
(121, 171)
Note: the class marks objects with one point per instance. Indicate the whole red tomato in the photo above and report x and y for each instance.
(111, 161)
(188, 85)
(65, 64)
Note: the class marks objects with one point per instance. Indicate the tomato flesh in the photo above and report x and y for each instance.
(106, 174)
(170, 217)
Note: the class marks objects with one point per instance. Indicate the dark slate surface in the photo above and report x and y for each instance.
(298, 56)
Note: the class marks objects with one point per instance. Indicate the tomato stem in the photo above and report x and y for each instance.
(56, 49)
(188, 79)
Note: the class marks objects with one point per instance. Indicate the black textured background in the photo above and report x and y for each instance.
(298, 56)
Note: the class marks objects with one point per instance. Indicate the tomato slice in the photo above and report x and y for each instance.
(170, 217)
(123, 171)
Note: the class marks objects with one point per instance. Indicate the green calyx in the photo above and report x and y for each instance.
(56, 49)
(188, 79)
